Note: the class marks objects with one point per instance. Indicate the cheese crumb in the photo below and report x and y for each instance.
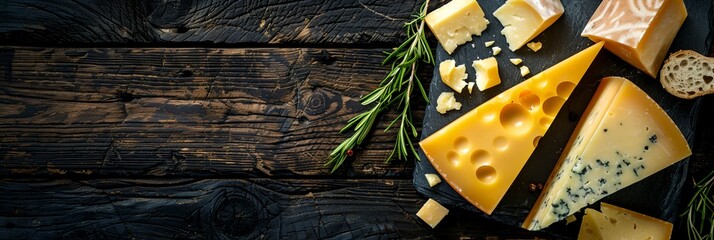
(568, 219)
(471, 86)
(488, 44)
(433, 179)
(432, 212)
(525, 71)
(496, 50)
(453, 76)
(516, 61)
(446, 102)
(535, 46)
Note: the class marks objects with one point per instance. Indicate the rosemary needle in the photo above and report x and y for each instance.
(700, 210)
(395, 89)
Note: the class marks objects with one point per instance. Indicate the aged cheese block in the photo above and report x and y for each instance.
(455, 22)
(523, 20)
(619, 223)
(432, 212)
(486, 73)
(452, 75)
(622, 138)
(638, 31)
(482, 152)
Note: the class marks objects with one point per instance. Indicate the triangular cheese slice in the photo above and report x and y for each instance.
(619, 223)
(623, 137)
(482, 152)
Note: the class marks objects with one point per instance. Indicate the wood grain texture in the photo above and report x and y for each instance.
(226, 209)
(187, 112)
(333, 22)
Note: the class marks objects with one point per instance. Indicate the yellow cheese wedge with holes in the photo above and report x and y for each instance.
(482, 152)
(619, 223)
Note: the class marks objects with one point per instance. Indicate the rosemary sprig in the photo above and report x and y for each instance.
(700, 210)
(395, 89)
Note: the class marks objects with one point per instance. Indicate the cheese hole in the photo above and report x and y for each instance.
(564, 89)
(461, 144)
(515, 118)
(544, 122)
(529, 100)
(552, 105)
(500, 143)
(453, 158)
(613, 221)
(486, 174)
(536, 140)
(480, 157)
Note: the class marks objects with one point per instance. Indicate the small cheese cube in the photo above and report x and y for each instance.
(523, 20)
(488, 44)
(446, 102)
(453, 76)
(619, 223)
(535, 46)
(432, 213)
(525, 71)
(455, 22)
(640, 32)
(496, 50)
(516, 61)
(433, 179)
(486, 73)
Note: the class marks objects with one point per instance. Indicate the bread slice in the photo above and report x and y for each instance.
(688, 74)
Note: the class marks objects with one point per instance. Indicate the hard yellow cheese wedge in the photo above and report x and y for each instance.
(638, 31)
(622, 138)
(523, 20)
(454, 23)
(619, 223)
(482, 152)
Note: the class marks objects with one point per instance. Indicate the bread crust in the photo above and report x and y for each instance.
(688, 74)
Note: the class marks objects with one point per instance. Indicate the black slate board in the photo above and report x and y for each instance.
(657, 196)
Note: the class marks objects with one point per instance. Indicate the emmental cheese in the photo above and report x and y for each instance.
(620, 223)
(455, 22)
(523, 20)
(622, 138)
(482, 152)
(638, 31)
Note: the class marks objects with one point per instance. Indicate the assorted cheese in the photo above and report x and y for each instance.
(486, 73)
(455, 22)
(446, 102)
(622, 138)
(432, 212)
(482, 152)
(619, 223)
(523, 20)
(452, 75)
(640, 32)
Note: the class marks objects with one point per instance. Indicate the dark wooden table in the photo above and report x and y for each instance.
(193, 119)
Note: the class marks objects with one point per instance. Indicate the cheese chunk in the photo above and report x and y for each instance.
(496, 50)
(432, 213)
(455, 22)
(638, 31)
(432, 178)
(534, 46)
(470, 86)
(486, 73)
(482, 152)
(525, 71)
(622, 138)
(619, 223)
(523, 20)
(447, 102)
(489, 43)
(453, 76)
(516, 61)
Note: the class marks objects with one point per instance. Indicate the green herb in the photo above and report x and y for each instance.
(700, 210)
(395, 89)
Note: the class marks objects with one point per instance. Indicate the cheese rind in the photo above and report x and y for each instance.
(640, 32)
(486, 73)
(622, 138)
(523, 20)
(620, 223)
(432, 212)
(455, 22)
(482, 152)
(452, 75)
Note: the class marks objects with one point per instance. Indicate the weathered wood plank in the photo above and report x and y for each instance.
(223, 209)
(68, 22)
(187, 112)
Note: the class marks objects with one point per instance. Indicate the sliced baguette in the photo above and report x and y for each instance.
(688, 74)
